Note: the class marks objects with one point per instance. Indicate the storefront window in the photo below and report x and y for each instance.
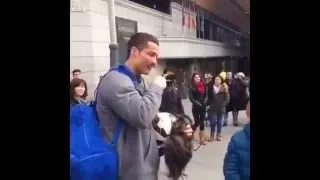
(160, 5)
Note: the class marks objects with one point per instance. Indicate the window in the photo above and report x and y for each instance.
(200, 25)
(206, 29)
(209, 28)
(214, 32)
(159, 5)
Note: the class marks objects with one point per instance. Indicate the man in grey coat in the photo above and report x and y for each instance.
(118, 97)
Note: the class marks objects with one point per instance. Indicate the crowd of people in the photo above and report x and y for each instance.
(212, 98)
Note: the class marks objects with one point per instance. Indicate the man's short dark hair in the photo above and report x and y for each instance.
(140, 41)
(76, 70)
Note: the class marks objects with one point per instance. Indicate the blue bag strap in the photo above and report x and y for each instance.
(122, 69)
(116, 133)
(120, 123)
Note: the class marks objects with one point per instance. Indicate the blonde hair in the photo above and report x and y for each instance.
(223, 75)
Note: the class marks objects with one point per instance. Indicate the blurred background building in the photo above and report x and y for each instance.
(205, 36)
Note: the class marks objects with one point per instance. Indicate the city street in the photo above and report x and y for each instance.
(207, 162)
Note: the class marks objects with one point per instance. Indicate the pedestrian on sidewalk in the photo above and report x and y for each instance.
(198, 98)
(218, 98)
(171, 100)
(237, 159)
(228, 81)
(238, 96)
(208, 79)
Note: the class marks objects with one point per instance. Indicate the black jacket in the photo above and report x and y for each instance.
(198, 100)
(171, 101)
(238, 94)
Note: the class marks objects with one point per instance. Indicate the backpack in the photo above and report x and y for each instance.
(92, 157)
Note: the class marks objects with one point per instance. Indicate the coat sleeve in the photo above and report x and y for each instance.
(227, 98)
(192, 99)
(123, 98)
(245, 82)
(231, 169)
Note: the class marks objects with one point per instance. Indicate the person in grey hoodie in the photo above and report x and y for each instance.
(137, 105)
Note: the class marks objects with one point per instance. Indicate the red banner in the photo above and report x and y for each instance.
(189, 15)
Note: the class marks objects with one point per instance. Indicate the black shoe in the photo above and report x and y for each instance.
(235, 124)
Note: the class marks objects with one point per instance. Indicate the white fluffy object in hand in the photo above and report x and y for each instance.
(165, 121)
(160, 81)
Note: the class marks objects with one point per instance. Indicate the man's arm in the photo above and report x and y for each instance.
(118, 92)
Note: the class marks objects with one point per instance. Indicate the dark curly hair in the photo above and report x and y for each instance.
(192, 78)
(178, 147)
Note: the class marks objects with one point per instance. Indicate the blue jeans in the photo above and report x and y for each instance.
(216, 120)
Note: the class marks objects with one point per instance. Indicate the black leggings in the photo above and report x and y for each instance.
(198, 116)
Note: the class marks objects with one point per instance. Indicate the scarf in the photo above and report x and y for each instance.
(199, 87)
(80, 100)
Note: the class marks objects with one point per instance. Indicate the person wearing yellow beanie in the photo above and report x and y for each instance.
(223, 74)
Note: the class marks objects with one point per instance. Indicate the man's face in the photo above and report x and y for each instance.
(76, 75)
(147, 58)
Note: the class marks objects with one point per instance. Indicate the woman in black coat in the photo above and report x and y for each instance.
(171, 100)
(198, 98)
(238, 96)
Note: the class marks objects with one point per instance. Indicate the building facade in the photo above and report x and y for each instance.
(192, 39)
